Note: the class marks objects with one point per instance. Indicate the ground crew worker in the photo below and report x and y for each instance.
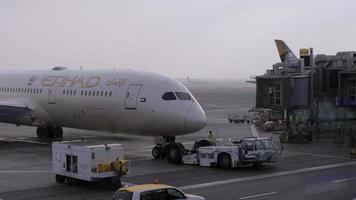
(210, 136)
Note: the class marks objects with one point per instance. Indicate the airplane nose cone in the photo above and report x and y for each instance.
(195, 118)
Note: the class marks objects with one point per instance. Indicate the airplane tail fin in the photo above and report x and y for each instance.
(286, 55)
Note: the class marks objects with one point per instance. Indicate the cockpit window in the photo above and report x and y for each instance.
(169, 96)
(183, 96)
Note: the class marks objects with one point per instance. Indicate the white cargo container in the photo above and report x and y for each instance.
(86, 161)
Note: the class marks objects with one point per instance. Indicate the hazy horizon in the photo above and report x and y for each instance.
(202, 39)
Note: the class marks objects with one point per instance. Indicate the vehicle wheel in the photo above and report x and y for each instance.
(41, 132)
(157, 152)
(257, 165)
(174, 152)
(224, 161)
(60, 178)
(72, 181)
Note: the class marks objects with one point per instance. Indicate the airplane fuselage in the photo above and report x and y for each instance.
(124, 101)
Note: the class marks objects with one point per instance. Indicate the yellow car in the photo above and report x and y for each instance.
(153, 192)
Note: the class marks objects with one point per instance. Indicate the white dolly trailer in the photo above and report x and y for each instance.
(250, 151)
(87, 161)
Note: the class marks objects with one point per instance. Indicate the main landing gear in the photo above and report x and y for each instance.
(49, 132)
(166, 147)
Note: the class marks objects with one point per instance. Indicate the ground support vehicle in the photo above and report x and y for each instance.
(87, 161)
(152, 192)
(250, 151)
(235, 118)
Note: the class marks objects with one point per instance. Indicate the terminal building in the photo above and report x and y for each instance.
(314, 95)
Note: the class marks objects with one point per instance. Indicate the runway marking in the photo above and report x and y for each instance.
(344, 180)
(258, 195)
(265, 176)
(24, 140)
(320, 155)
(10, 172)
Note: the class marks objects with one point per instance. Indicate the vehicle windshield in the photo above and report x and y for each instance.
(123, 195)
(263, 144)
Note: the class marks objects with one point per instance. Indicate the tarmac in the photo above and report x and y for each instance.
(321, 169)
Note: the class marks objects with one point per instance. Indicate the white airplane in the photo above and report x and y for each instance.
(125, 101)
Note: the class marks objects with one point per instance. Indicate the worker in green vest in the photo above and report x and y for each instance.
(210, 136)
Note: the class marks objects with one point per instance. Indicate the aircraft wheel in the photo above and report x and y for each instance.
(58, 132)
(41, 132)
(157, 152)
(50, 132)
(174, 153)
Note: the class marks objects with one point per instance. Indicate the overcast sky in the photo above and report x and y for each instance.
(197, 38)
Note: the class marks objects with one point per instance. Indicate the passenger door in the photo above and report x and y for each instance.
(51, 96)
(131, 96)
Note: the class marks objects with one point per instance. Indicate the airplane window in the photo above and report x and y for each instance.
(40, 90)
(97, 93)
(64, 92)
(81, 93)
(183, 96)
(101, 93)
(75, 92)
(110, 93)
(106, 93)
(71, 92)
(169, 96)
(93, 93)
(89, 93)
(85, 93)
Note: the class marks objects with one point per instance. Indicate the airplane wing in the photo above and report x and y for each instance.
(10, 109)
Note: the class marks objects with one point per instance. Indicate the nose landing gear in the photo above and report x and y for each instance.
(167, 147)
